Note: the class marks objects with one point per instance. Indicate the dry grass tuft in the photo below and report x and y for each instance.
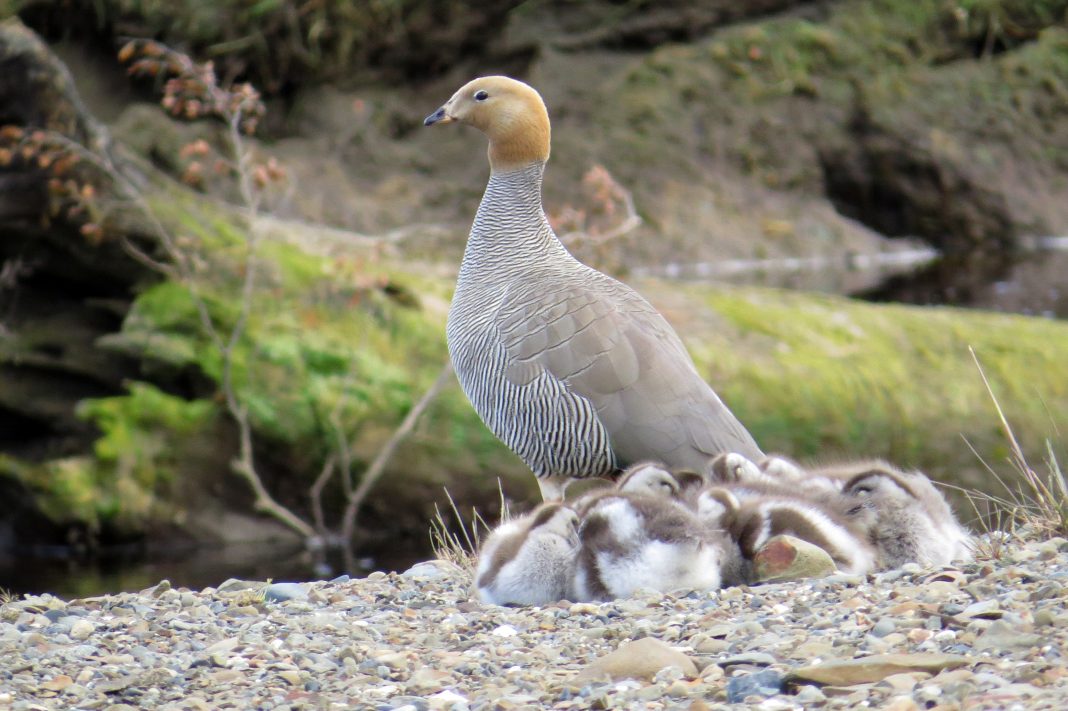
(461, 547)
(1033, 506)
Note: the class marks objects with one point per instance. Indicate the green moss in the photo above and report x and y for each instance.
(813, 376)
(327, 340)
(819, 376)
(124, 483)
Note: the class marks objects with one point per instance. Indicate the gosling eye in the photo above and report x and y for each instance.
(481, 95)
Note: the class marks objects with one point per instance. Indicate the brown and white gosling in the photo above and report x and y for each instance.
(901, 514)
(530, 560)
(638, 540)
(657, 480)
(905, 517)
(754, 506)
(753, 518)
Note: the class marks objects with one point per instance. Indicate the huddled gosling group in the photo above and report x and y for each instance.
(667, 529)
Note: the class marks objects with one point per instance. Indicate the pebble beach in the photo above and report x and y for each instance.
(985, 635)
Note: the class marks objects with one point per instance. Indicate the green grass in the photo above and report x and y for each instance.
(819, 376)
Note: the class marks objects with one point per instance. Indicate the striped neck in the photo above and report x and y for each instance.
(510, 230)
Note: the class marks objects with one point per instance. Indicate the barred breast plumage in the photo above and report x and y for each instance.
(573, 370)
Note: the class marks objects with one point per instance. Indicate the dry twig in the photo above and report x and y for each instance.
(1039, 502)
(378, 466)
(606, 198)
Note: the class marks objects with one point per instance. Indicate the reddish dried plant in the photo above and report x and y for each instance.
(66, 168)
(607, 210)
(192, 90)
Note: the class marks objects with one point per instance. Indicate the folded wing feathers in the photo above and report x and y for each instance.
(616, 351)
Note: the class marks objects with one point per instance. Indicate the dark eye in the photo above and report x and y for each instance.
(481, 95)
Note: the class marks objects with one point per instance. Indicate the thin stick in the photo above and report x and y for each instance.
(378, 466)
(997, 406)
(316, 492)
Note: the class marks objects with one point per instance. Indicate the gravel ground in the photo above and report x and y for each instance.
(989, 635)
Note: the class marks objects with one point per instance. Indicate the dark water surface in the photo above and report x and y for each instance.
(132, 568)
(1032, 282)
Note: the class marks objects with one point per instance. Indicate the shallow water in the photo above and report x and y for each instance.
(844, 273)
(131, 568)
(1033, 282)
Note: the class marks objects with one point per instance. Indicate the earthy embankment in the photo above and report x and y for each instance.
(989, 635)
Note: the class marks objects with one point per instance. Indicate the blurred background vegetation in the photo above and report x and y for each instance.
(794, 165)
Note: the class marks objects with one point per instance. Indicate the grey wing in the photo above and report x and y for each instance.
(613, 349)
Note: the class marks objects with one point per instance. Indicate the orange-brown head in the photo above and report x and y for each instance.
(509, 112)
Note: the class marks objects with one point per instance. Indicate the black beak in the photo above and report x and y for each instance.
(436, 117)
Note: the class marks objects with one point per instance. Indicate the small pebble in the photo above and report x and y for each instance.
(810, 694)
(280, 592)
(763, 683)
(1045, 618)
(81, 630)
(883, 627)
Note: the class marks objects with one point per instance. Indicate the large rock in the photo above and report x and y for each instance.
(640, 659)
(67, 280)
(901, 184)
(788, 558)
(868, 670)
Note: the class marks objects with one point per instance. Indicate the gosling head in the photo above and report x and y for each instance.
(906, 518)
(648, 478)
(510, 113)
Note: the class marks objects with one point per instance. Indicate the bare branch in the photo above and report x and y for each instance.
(316, 493)
(378, 466)
(244, 466)
(195, 87)
(344, 453)
(606, 194)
